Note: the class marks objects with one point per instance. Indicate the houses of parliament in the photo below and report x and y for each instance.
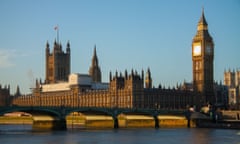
(128, 89)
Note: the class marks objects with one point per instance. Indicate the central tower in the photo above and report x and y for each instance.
(57, 63)
(94, 70)
(202, 61)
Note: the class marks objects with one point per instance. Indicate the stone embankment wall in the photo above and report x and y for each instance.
(231, 115)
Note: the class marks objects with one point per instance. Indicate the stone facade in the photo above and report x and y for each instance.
(124, 92)
(57, 63)
(94, 70)
(232, 81)
(4, 95)
(202, 60)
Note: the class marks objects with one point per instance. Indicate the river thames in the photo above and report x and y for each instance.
(22, 134)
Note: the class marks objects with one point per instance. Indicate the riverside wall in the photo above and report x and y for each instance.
(102, 122)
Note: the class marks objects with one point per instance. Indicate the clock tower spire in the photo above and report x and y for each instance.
(202, 61)
(94, 70)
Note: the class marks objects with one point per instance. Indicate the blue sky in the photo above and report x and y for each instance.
(129, 34)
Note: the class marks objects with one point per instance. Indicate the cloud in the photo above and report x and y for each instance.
(6, 58)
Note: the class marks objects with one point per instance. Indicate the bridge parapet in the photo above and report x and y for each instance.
(58, 114)
(64, 111)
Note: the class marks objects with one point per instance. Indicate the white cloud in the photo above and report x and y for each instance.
(6, 58)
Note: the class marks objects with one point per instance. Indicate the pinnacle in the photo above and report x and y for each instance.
(202, 19)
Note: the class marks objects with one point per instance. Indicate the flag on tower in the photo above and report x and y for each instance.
(56, 28)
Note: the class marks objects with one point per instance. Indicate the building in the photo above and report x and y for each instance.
(148, 79)
(124, 90)
(82, 81)
(221, 93)
(4, 95)
(232, 81)
(202, 61)
(232, 78)
(57, 63)
(94, 70)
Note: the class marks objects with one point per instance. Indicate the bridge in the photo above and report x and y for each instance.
(58, 114)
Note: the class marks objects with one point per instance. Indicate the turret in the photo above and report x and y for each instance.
(68, 48)
(18, 93)
(148, 79)
(143, 74)
(47, 48)
(95, 58)
(94, 70)
(110, 76)
(126, 74)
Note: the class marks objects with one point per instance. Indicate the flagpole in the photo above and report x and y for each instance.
(57, 35)
(57, 29)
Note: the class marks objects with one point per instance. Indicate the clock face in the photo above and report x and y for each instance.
(208, 49)
(197, 50)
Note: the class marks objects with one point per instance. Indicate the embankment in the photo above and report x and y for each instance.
(16, 120)
(107, 122)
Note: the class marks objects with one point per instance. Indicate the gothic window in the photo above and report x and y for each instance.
(198, 65)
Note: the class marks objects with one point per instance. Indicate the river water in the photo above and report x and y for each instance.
(22, 134)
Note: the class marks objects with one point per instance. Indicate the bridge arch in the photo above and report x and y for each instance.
(89, 109)
(43, 117)
(142, 112)
(32, 110)
(98, 111)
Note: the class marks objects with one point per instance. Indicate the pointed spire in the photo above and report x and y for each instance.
(68, 47)
(47, 48)
(47, 45)
(148, 72)
(95, 58)
(202, 23)
(132, 73)
(18, 93)
(68, 44)
(95, 51)
(126, 74)
(56, 47)
(40, 81)
(110, 76)
(202, 19)
(60, 47)
(148, 79)
(95, 70)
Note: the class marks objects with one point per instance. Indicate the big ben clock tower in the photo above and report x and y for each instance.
(202, 58)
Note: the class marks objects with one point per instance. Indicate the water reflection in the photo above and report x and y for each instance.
(15, 128)
(24, 134)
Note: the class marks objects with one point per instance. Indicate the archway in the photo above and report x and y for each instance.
(90, 118)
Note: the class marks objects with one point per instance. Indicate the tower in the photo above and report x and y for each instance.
(18, 93)
(148, 79)
(229, 79)
(94, 70)
(202, 61)
(57, 63)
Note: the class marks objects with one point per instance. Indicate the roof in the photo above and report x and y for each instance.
(202, 19)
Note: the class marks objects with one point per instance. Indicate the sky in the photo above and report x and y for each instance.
(128, 34)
